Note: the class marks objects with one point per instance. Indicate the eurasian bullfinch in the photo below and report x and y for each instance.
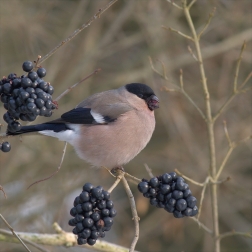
(108, 128)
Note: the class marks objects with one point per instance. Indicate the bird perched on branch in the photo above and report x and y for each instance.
(108, 128)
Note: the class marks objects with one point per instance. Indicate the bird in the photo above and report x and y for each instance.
(107, 129)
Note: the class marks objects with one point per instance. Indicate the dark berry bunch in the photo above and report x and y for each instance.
(93, 214)
(170, 192)
(26, 97)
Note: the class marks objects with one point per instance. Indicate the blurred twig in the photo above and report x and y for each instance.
(202, 225)
(61, 162)
(232, 233)
(179, 89)
(235, 89)
(207, 23)
(148, 169)
(232, 146)
(2, 189)
(62, 238)
(76, 32)
(76, 84)
(13, 232)
(5, 232)
(137, 180)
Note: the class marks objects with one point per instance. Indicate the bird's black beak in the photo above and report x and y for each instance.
(153, 102)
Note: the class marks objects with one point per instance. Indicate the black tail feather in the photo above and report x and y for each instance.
(56, 127)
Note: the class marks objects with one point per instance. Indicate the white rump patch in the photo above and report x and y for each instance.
(66, 135)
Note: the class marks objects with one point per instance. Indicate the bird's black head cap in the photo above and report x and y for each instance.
(141, 90)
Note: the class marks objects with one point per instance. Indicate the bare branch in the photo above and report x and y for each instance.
(137, 180)
(181, 89)
(237, 69)
(134, 213)
(5, 232)
(76, 84)
(149, 171)
(226, 133)
(207, 23)
(155, 70)
(76, 32)
(62, 159)
(118, 179)
(191, 52)
(13, 232)
(61, 239)
(2, 189)
(189, 179)
(194, 104)
(179, 32)
(202, 196)
(246, 80)
(174, 4)
(191, 4)
(164, 71)
(232, 233)
(201, 225)
(232, 145)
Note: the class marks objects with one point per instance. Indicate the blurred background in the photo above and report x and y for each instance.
(120, 43)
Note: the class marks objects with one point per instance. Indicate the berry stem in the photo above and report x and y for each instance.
(134, 213)
(118, 179)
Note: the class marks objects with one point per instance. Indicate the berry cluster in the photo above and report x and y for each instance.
(93, 214)
(26, 97)
(170, 192)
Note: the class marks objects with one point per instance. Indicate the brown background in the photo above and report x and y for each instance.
(120, 43)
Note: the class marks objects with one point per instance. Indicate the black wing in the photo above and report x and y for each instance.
(78, 116)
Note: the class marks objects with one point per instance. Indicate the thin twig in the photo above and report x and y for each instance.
(5, 232)
(207, 23)
(134, 213)
(232, 233)
(191, 52)
(189, 179)
(163, 66)
(226, 133)
(202, 226)
(174, 4)
(178, 32)
(235, 89)
(202, 196)
(62, 159)
(2, 189)
(246, 80)
(191, 4)
(118, 179)
(155, 70)
(13, 232)
(76, 32)
(76, 84)
(181, 90)
(181, 81)
(237, 69)
(149, 171)
(194, 104)
(232, 145)
(137, 180)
